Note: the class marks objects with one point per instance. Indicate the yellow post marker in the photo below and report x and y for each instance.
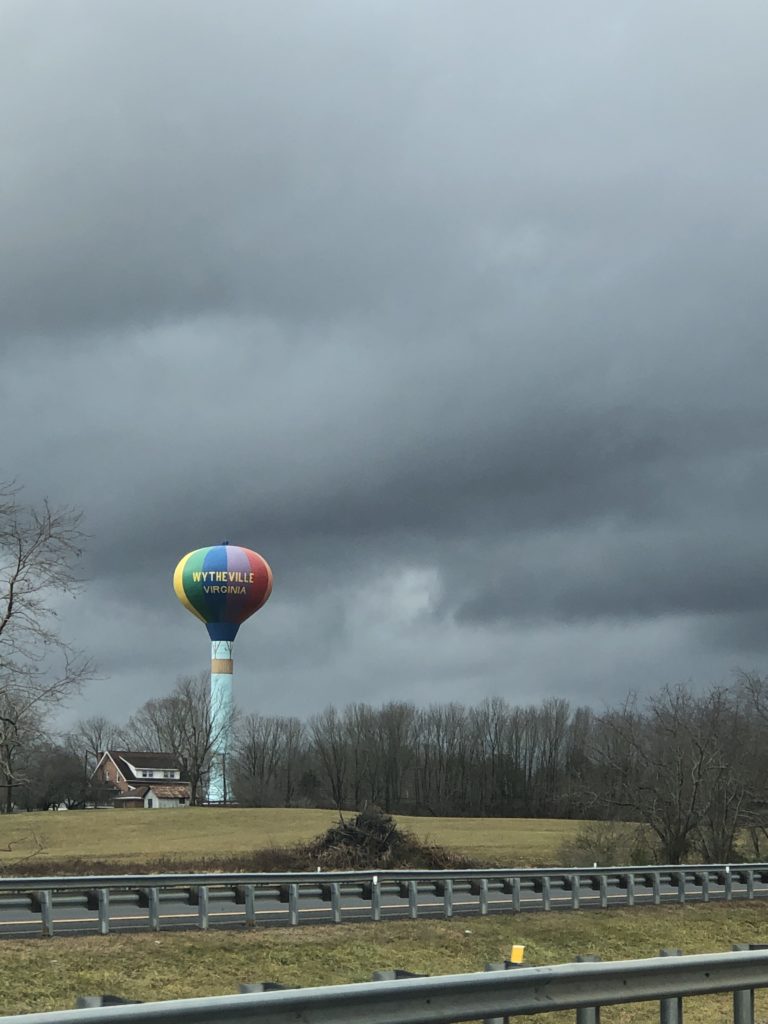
(516, 954)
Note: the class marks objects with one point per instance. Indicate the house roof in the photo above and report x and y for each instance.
(177, 790)
(147, 759)
(141, 760)
(161, 790)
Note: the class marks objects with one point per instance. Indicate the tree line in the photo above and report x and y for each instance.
(687, 765)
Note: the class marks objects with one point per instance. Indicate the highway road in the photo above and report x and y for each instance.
(74, 913)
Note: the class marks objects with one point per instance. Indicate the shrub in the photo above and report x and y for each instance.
(608, 843)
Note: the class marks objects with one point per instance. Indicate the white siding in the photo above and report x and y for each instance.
(158, 801)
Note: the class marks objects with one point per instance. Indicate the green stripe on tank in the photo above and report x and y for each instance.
(194, 589)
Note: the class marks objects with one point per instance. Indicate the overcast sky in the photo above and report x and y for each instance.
(454, 311)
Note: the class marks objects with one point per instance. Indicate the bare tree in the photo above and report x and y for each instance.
(269, 753)
(38, 550)
(396, 728)
(442, 776)
(39, 669)
(752, 747)
(330, 745)
(89, 738)
(489, 724)
(729, 786)
(362, 766)
(666, 766)
(55, 777)
(182, 724)
(21, 730)
(156, 726)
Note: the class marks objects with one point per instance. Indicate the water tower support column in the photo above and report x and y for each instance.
(221, 719)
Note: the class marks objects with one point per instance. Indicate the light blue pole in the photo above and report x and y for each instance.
(221, 720)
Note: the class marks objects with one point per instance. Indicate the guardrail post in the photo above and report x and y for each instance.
(728, 882)
(743, 999)
(705, 886)
(588, 1014)
(202, 907)
(249, 897)
(630, 889)
(394, 974)
(46, 912)
(671, 1010)
(575, 892)
(546, 892)
(375, 899)
(681, 887)
(482, 897)
(516, 895)
(656, 879)
(603, 891)
(293, 904)
(750, 884)
(448, 898)
(153, 908)
(104, 911)
(496, 967)
(335, 902)
(93, 1002)
(413, 899)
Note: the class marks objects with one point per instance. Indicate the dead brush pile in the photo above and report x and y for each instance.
(373, 839)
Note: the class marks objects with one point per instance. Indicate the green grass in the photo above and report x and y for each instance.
(143, 836)
(48, 974)
(523, 842)
(206, 833)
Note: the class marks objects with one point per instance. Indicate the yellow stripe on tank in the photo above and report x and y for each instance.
(178, 586)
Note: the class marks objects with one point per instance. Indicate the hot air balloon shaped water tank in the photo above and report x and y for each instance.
(222, 586)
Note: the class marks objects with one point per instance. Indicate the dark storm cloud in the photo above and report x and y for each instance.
(742, 633)
(207, 171)
(314, 165)
(624, 576)
(456, 312)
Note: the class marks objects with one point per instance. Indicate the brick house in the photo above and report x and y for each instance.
(133, 778)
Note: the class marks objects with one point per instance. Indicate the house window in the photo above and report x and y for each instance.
(106, 774)
(182, 799)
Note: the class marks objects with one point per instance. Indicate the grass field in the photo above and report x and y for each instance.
(523, 842)
(205, 833)
(49, 974)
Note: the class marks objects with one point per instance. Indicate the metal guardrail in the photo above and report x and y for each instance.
(280, 878)
(583, 987)
(98, 893)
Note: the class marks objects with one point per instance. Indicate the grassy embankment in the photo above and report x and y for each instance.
(43, 975)
(84, 841)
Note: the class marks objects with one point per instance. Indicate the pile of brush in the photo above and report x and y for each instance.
(373, 839)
